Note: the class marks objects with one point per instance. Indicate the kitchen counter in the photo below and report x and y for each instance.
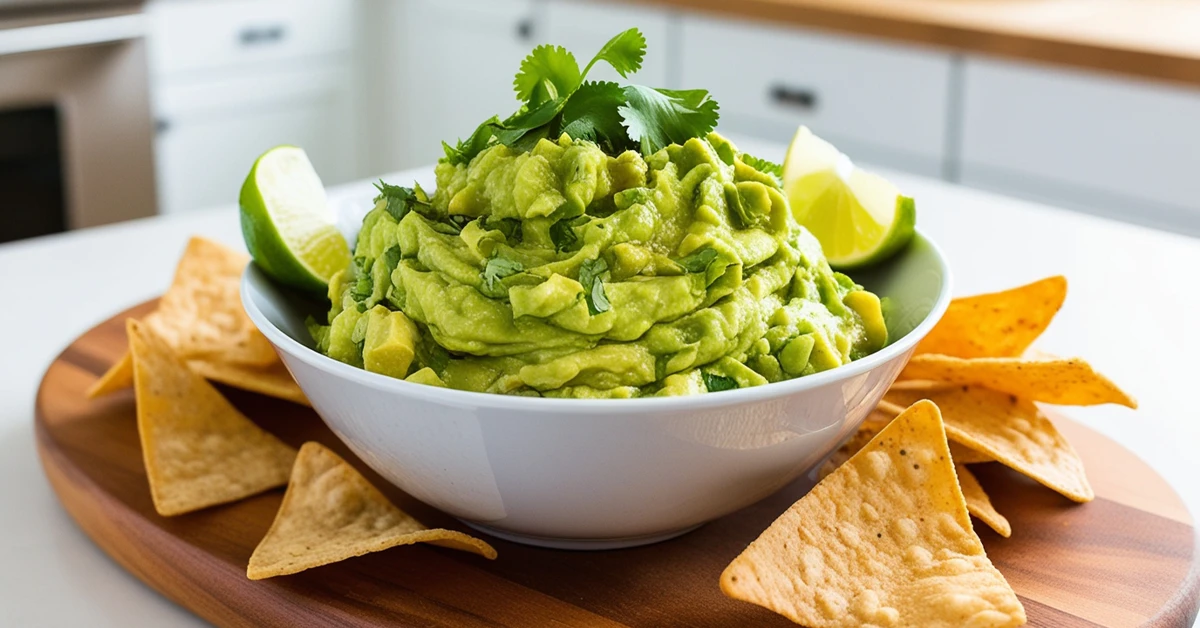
(1133, 295)
(1153, 39)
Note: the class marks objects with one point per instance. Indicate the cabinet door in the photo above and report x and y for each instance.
(219, 34)
(206, 145)
(878, 102)
(461, 59)
(1116, 146)
(582, 27)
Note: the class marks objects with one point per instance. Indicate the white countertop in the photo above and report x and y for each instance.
(1134, 297)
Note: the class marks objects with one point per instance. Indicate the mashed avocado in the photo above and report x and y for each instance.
(563, 271)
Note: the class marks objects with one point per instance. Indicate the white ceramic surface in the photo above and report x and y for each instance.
(601, 473)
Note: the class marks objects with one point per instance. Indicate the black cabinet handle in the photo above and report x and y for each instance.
(525, 29)
(259, 35)
(794, 97)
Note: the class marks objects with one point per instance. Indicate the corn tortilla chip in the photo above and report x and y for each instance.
(996, 325)
(1014, 432)
(198, 449)
(273, 381)
(119, 376)
(1062, 381)
(885, 540)
(330, 513)
(201, 313)
(978, 502)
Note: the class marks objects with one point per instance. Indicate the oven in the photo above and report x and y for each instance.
(76, 130)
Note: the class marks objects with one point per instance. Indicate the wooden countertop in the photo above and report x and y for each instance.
(1153, 39)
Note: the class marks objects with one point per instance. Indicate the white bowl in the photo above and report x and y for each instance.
(597, 474)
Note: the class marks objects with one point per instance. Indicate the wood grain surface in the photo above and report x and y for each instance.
(1126, 559)
(1155, 39)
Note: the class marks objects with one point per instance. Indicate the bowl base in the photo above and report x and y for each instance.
(579, 544)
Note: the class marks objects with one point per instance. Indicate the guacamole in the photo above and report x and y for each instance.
(565, 271)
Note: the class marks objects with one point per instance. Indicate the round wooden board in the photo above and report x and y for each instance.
(1125, 559)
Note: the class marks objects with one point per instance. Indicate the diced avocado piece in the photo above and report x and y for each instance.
(426, 376)
(794, 355)
(545, 299)
(390, 342)
(869, 310)
(342, 345)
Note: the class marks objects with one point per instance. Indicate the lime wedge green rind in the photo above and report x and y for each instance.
(287, 224)
(859, 217)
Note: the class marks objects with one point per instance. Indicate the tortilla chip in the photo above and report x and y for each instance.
(965, 455)
(996, 325)
(330, 513)
(885, 540)
(201, 314)
(198, 449)
(119, 376)
(273, 381)
(978, 502)
(1012, 431)
(1062, 381)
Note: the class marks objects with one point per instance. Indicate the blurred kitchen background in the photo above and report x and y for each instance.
(116, 110)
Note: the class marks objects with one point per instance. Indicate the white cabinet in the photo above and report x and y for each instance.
(583, 27)
(460, 59)
(1108, 145)
(880, 103)
(231, 79)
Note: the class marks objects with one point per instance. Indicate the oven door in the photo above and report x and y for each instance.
(76, 131)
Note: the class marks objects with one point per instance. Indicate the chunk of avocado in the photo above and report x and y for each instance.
(390, 343)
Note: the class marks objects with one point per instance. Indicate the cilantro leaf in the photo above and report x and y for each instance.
(400, 200)
(563, 235)
(364, 283)
(513, 232)
(523, 129)
(498, 268)
(548, 73)
(391, 258)
(659, 117)
(593, 287)
(717, 383)
(698, 261)
(465, 151)
(592, 113)
(623, 52)
(764, 166)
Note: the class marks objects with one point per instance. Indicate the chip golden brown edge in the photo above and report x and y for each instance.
(330, 512)
(876, 540)
(1013, 432)
(998, 324)
(1045, 378)
(978, 503)
(198, 450)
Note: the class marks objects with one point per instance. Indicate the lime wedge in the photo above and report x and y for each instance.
(287, 223)
(858, 217)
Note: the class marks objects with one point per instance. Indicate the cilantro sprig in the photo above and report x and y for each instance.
(590, 276)
(557, 98)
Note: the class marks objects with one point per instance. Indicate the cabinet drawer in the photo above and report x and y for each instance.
(877, 102)
(583, 27)
(188, 35)
(1132, 139)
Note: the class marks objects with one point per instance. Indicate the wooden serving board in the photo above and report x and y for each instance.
(1126, 559)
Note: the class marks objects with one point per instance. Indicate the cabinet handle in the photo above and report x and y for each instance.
(794, 97)
(525, 29)
(258, 35)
